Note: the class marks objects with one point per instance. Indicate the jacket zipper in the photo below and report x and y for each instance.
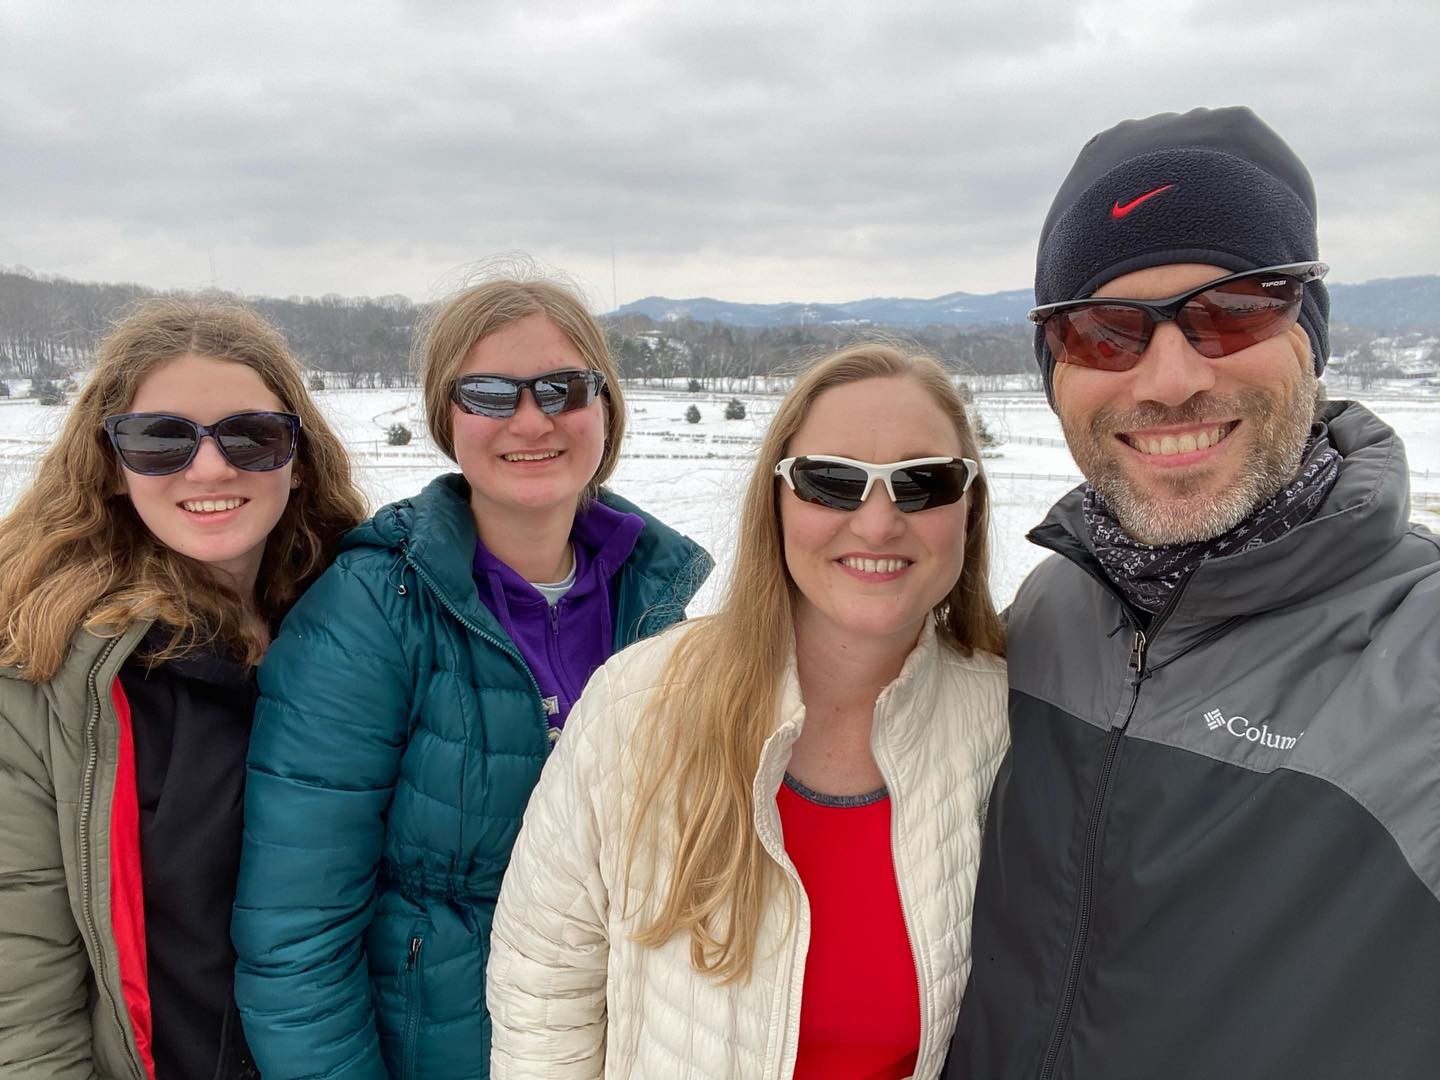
(790, 1008)
(1086, 899)
(922, 978)
(412, 1002)
(481, 634)
(564, 684)
(1136, 662)
(87, 795)
(789, 1037)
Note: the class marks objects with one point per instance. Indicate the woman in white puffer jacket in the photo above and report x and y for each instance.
(754, 851)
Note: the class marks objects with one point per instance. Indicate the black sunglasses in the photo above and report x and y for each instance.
(499, 395)
(1218, 318)
(157, 444)
(844, 483)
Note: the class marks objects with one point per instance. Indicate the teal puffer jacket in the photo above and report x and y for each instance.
(396, 743)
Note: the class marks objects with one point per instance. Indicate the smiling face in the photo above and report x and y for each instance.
(210, 511)
(528, 464)
(871, 575)
(1183, 447)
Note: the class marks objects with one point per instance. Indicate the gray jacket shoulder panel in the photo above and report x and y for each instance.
(1331, 667)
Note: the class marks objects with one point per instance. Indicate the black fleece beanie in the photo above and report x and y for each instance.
(1208, 186)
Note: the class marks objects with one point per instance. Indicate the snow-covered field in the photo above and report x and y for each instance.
(691, 475)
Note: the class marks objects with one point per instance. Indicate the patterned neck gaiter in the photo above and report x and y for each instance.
(1148, 575)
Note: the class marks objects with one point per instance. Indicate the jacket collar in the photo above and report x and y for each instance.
(1364, 515)
(901, 706)
(435, 532)
(91, 666)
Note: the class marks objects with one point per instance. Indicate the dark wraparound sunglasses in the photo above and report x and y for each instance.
(1218, 318)
(157, 444)
(844, 483)
(554, 392)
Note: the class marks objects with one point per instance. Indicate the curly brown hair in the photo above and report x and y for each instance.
(73, 552)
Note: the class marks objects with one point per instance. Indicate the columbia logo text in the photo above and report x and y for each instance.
(1242, 728)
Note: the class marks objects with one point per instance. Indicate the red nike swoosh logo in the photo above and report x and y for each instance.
(1117, 211)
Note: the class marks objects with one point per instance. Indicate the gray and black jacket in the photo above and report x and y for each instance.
(1214, 848)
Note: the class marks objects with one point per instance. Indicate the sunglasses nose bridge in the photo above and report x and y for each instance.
(870, 479)
(877, 520)
(885, 480)
(210, 455)
(1171, 370)
(527, 405)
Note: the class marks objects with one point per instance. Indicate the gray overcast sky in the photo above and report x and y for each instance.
(737, 150)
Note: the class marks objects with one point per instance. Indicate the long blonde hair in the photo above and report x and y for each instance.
(698, 745)
(452, 329)
(73, 551)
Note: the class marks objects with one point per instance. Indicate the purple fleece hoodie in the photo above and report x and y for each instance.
(564, 644)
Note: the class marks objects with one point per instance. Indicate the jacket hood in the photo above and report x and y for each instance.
(208, 663)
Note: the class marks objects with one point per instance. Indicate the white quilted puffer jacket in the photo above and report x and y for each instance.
(572, 995)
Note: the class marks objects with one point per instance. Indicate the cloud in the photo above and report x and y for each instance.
(818, 153)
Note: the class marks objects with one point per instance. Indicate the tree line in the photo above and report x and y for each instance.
(724, 357)
(50, 327)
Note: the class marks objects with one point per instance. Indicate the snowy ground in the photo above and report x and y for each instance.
(691, 475)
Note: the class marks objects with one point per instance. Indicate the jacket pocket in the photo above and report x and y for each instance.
(410, 973)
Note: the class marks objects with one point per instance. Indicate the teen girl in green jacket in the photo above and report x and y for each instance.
(194, 490)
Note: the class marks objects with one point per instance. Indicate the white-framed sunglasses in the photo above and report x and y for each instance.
(842, 483)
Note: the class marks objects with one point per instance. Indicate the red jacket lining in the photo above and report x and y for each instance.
(127, 896)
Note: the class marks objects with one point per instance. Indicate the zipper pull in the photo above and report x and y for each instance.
(397, 571)
(1137, 653)
(414, 954)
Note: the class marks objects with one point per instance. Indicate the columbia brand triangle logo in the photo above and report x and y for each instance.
(1243, 728)
(1118, 211)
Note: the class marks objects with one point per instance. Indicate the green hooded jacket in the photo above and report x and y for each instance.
(63, 1011)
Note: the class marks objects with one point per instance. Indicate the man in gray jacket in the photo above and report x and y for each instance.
(1214, 849)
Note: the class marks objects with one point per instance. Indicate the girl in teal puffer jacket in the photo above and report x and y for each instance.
(410, 699)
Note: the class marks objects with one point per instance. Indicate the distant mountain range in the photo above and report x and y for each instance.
(1385, 306)
(953, 309)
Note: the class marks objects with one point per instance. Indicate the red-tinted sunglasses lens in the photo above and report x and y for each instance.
(1109, 337)
(1240, 313)
(1217, 322)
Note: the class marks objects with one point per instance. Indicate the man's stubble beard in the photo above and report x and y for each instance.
(1188, 511)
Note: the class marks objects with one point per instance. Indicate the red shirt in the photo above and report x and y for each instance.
(860, 1011)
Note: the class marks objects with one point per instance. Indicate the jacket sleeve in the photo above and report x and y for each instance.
(44, 970)
(325, 752)
(549, 949)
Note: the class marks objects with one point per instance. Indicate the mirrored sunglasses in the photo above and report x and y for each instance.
(1218, 318)
(498, 396)
(157, 444)
(844, 484)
